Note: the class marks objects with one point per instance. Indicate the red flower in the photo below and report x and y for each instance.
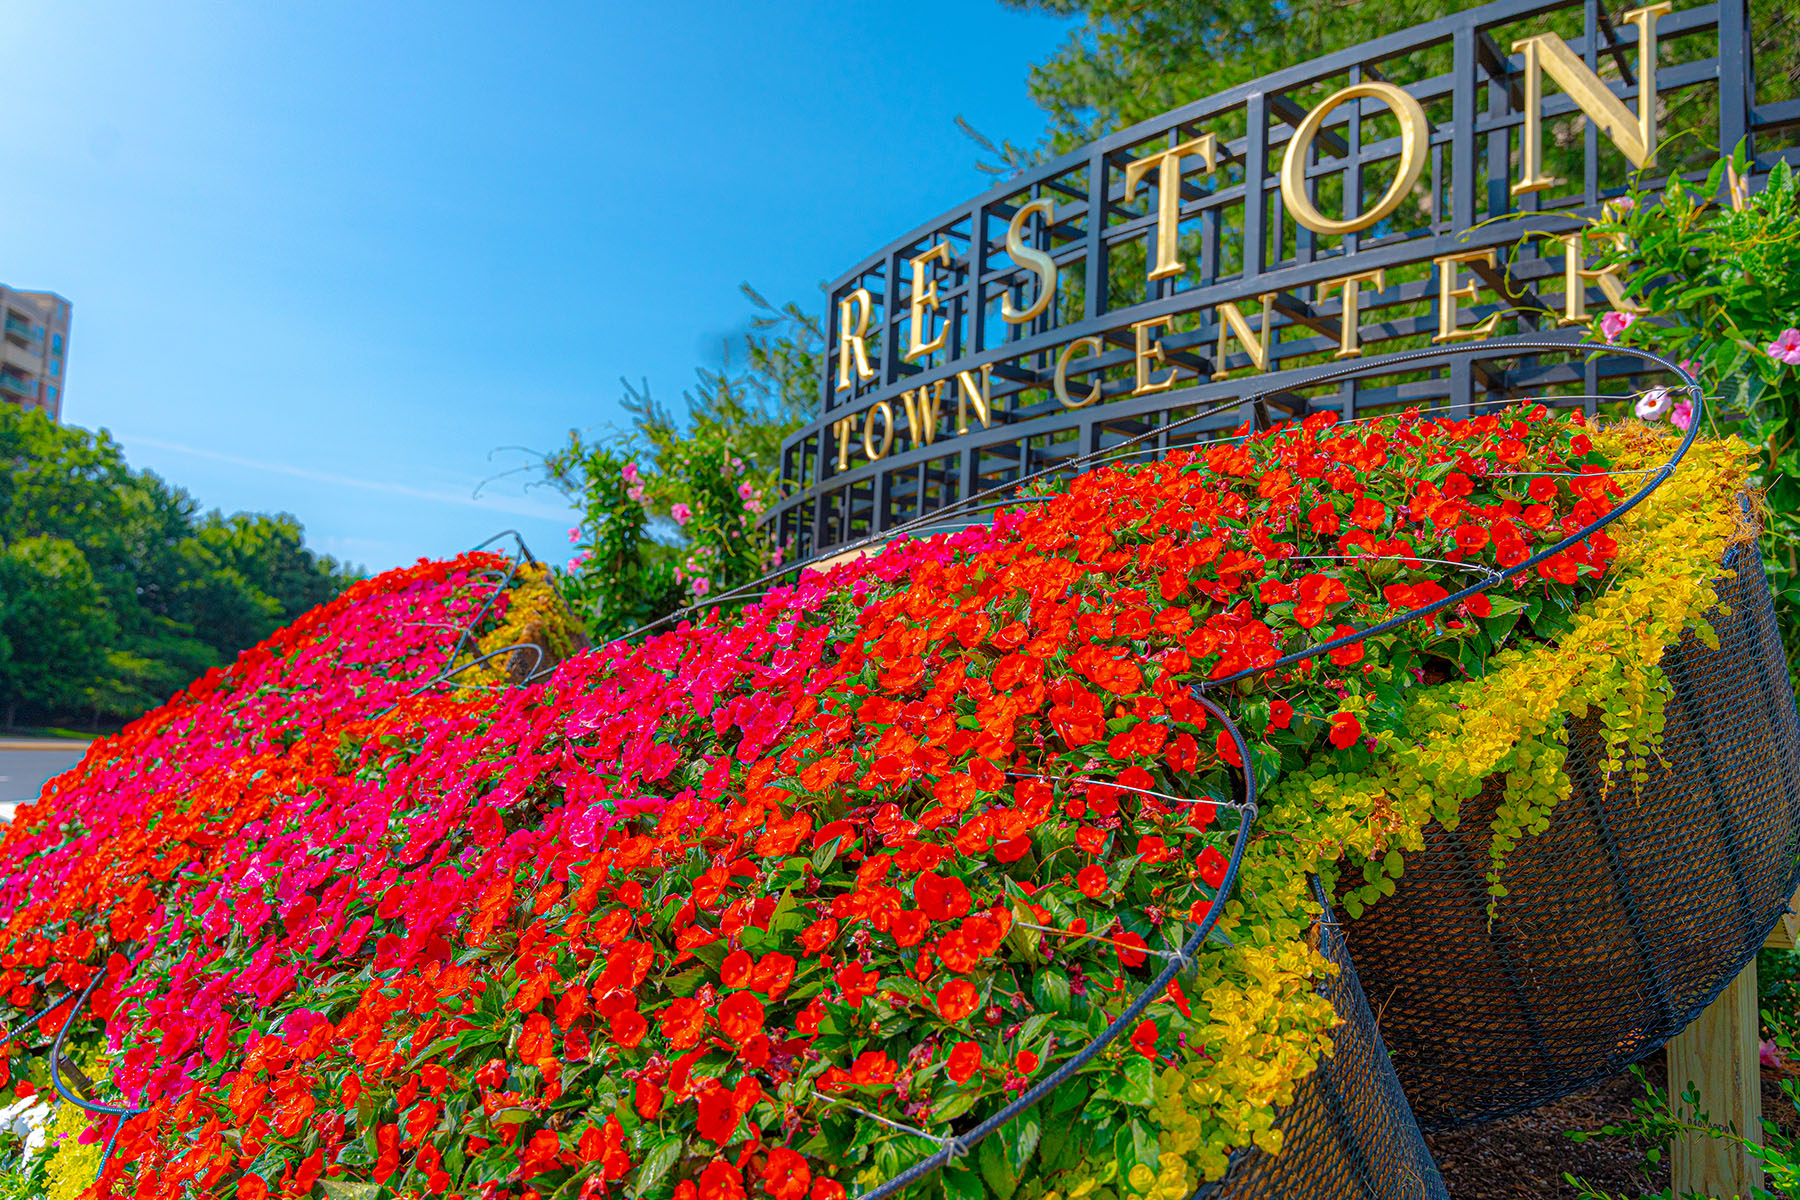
(1026, 1063)
(942, 898)
(1346, 656)
(741, 1017)
(1345, 729)
(721, 1181)
(857, 984)
(873, 1069)
(628, 1027)
(1091, 880)
(1281, 713)
(718, 1120)
(541, 1154)
(1212, 866)
(957, 999)
(683, 1022)
(648, 1100)
(785, 1175)
(1143, 1039)
(827, 1189)
(819, 935)
(965, 1060)
(908, 927)
(1479, 605)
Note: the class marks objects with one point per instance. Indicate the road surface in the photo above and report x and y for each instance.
(24, 771)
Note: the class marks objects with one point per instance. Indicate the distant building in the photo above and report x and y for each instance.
(34, 352)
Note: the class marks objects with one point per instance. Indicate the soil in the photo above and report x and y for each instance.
(1527, 1155)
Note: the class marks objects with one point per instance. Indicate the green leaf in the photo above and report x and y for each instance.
(990, 1160)
(960, 1183)
(953, 1106)
(656, 1164)
(340, 1189)
(686, 983)
(1050, 988)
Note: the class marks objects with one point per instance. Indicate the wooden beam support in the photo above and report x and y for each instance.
(1718, 1054)
(1786, 934)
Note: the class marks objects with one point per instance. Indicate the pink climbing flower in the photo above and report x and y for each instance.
(630, 472)
(1653, 404)
(681, 513)
(574, 535)
(745, 491)
(1681, 414)
(1615, 323)
(702, 585)
(1786, 348)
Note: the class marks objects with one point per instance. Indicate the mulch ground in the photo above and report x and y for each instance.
(1526, 1155)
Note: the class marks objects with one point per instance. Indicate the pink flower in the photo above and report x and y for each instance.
(1615, 323)
(1653, 404)
(745, 491)
(630, 472)
(1786, 348)
(681, 513)
(702, 585)
(574, 535)
(1769, 1053)
(635, 492)
(1682, 414)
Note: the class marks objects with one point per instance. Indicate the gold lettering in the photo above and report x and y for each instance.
(1144, 353)
(922, 412)
(1634, 135)
(1449, 294)
(1415, 134)
(1168, 196)
(972, 394)
(1231, 321)
(887, 430)
(1350, 321)
(841, 427)
(925, 296)
(850, 343)
(1025, 255)
(1062, 373)
(1575, 280)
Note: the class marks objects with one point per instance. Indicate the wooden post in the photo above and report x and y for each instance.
(1719, 1055)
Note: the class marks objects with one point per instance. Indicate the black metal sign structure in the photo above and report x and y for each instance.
(1194, 258)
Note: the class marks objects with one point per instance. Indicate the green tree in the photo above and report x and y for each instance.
(55, 622)
(183, 591)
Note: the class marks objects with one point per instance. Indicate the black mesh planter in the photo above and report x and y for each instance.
(1349, 1134)
(1623, 920)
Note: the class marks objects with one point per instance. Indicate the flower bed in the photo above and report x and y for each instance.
(787, 903)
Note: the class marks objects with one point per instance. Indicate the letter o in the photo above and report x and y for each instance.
(887, 429)
(1414, 135)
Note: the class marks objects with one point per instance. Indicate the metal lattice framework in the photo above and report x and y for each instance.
(877, 455)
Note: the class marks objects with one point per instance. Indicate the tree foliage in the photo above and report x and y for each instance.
(115, 589)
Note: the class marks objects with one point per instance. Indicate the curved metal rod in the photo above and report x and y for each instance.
(110, 1110)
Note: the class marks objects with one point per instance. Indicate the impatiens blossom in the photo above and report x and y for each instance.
(1614, 324)
(1786, 347)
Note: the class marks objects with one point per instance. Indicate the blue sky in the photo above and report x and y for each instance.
(327, 257)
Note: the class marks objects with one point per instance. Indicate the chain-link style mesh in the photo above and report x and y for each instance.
(1622, 921)
(1349, 1134)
